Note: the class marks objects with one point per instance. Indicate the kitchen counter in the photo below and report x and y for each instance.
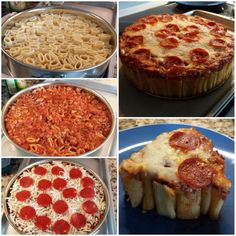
(224, 126)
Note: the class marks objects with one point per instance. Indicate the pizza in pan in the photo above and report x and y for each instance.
(179, 174)
(57, 198)
(176, 55)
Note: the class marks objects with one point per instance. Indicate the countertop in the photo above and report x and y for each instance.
(225, 126)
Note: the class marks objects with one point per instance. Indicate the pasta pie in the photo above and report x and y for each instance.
(179, 174)
(57, 198)
(177, 56)
(58, 41)
(58, 120)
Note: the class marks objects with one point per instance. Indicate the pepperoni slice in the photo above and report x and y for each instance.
(135, 40)
(169, 42)
(56, 170)
(172, 61)
(26, 181)
(87, 192)
(23, 195)
(78, 220)
(184, 141)
(149, 20)
(27, 213)
(191, 28)
(44, 184)
(211, 24)
(61, 227)
(42, 222)
(69, 193)
(138, 27)
(59, 183)
(44, 200)
(172, 27)
(163, 33)
(60, 207)
(181, 17)
(191, 36)
(143, 53)
(87, 182)
(90, 207)
(165, 18)
(75, 173)
(195, 172)
(39, 170)
(199, 55)
(217, 43)
(218, 31)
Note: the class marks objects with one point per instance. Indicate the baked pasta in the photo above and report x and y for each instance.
(58, 41)
(58, 120)
(56, 197)
(179, 174)
(176, 56)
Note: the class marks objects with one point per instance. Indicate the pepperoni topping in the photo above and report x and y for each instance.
(169, 42)
(44, 200)
(56, 170)
(87, 182)
(75, 173)
(165, 18)
(42, 222)
(90, 207)
(60, 207)
(164, 33)
(143, 53)
(39, 170)
(87, 192)
(61, 227)
(172, 27)
(135, 40)
(191, 36)
(69, 193)
(217, 43)
(59, 183)
(195, 172)
(26, 181)
(218, 31)
(138, 27)
(211, 24)
(184, 141)
(23, 195)
(191, 28)
(149, 20)
(199, 55)
(78, 220)
(181, 17)
(44, 184)
(27, 213)
(172, 61)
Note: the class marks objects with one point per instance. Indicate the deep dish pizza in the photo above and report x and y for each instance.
(57, 197)
(179, 174)
(176, 55)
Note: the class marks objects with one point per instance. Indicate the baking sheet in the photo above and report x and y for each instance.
(134, 103)
(97, 165)
(109, 92)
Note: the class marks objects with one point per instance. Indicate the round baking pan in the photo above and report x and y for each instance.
(24, 152)
(23, 70)
(8, 188)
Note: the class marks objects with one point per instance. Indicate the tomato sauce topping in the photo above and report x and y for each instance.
(195, 172)
(61, 227)
(44, 184)
(42, 222)
(26, 182)
(27, 213)
(59, 183)
(75, 173)
(90, 207)
(60, 207)
(23, 195)
(39, 170)
(184, 141)
(169, 42)
(87, 182)
(87, 192)
(199, 55)
(69, 193)
(56, 170)
(78, 220)
(44, 200)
